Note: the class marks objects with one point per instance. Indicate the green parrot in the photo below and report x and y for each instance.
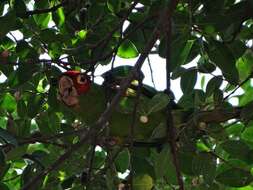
(89, 100)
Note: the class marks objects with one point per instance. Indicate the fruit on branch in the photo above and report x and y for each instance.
(89, 100)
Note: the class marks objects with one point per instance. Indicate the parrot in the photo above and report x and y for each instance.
(86, 98)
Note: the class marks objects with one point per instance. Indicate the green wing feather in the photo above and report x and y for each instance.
(93, 104)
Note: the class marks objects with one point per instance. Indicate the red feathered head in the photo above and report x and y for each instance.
(71, 85)
(81, 81)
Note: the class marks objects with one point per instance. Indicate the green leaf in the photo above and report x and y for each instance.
(188, 81)
(225, 60)
(158, 102)
(8, 102)
(20, 8)
(235, 129)
(23, 127)
(181, 47)
(213, 84)
(59, 17)
(23, 74)
(244, 65)
(179, 71)
(159, 132)
(48, 123)
(8, 23)
(205, 66)
(247, 134)
(122, 161)
(236, 149)
(186, 160)
(218, 96)
(140, 163)
(114, 6)
(216, 131)
(42, 20)
(99, 159)
(143, 182)
(204, 164)
(3, 186)
(247, 97)
(16, 153)
(21, 108)
(235, 177)
(7, 137)
(3, 170)
(34, 105)
(127, 50)
(164, 167)
(67, 183)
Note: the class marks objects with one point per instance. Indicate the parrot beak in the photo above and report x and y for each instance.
(67, 92)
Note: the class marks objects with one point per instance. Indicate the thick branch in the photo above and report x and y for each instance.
(42, 11)
(171, 130)
(215, 116)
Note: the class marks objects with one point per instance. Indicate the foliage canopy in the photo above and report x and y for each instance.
(208, 146)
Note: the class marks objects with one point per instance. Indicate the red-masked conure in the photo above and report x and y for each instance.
(89, 100)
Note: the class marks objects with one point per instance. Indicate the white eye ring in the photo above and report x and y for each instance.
(81, 79)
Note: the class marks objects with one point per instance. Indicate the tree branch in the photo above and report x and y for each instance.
(215, 116)
(171, 130)
(42, 11)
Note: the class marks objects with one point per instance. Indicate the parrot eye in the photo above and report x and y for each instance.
(82, 79)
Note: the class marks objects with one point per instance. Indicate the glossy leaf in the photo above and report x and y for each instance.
(8, 23)
(158, 102)
(127, 50)
(235, 177)
(204, 164)
(225, 60)
(188, 81)
(212, 85)
(247, 134)
(163, 165)
(3, 186)
(181, 49)
(42, 20)
(122, 161)
(8, 102)
(237, 149)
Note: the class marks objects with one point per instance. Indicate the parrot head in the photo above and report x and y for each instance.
(71, 85)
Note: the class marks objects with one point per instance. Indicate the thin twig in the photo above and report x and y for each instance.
(242, 83)
(149, 62)
(15, 39)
